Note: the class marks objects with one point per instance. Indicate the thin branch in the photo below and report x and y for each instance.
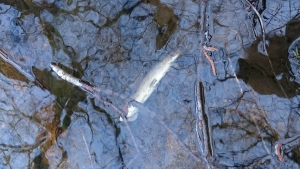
(212, 64)
(262, 28)
(88, 151)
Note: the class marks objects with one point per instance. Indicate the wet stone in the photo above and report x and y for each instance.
(91, 16)
(67, 5)
(41, 2)
(114, 45)
(19, 160)
(24, 42)
(20, 131)
(294, 58)
(275, 25)
(54, 155)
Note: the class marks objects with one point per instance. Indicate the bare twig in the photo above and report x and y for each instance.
(212, 64)
(262, 28)
(278, 152)
(210, 48)
(88, 151)
(122, 114)
(203, 133)
(264, 45)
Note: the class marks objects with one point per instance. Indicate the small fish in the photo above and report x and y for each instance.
(71, 79)
(149, 83)
(64, 75)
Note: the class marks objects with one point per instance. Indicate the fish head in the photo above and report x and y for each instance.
(53, 64)
(131, 113)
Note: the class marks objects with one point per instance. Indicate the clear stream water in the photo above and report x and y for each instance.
(250, 105)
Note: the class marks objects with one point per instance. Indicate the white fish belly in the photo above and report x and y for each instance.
(65, 76)
(149, 83)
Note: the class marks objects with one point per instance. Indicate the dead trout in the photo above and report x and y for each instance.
(149, 83)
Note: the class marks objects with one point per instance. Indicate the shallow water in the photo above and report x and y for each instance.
(248, 107)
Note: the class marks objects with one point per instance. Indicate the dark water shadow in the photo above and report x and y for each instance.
(257, 71)
(166, 21)
(67, 95)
